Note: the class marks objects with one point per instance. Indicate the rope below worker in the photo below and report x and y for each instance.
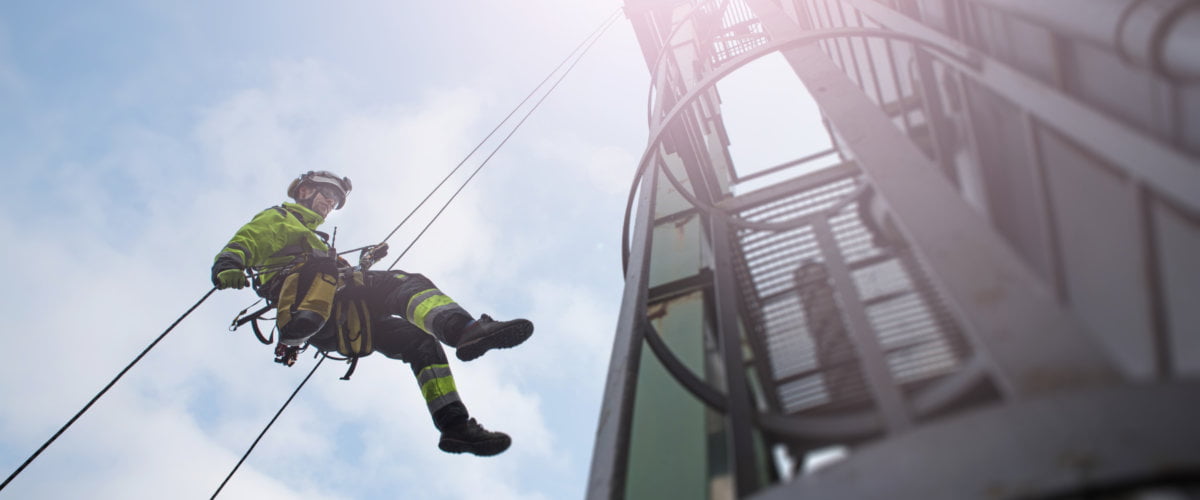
(576, 54)
(268, 427)
(104, 390)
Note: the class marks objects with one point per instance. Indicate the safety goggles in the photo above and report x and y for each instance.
(330, 193)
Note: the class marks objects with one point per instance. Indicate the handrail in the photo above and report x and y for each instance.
(843, 427)
(969, 59)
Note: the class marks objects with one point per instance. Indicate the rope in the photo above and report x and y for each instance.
(105, 389)
(587, 44)
(268, 427)
(485, 139)
(577, 53)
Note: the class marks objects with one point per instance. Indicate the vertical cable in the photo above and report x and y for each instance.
(607, 24)
(268, 427)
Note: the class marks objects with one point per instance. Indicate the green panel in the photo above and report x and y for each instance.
(676, 251)
(668, 442)
(669, 201)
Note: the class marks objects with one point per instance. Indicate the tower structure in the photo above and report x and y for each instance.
(990, 287)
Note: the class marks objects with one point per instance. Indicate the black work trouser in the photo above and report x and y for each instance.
(416, 299)
(394, 297)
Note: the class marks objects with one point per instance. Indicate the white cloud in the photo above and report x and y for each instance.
(582, 321)
(769, 124)
(115, 242)
(129, 293)
(608, 169)
(261, 135)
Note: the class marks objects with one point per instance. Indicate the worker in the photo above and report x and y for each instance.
(317, 295)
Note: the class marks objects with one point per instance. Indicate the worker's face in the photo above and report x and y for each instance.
(320, 199)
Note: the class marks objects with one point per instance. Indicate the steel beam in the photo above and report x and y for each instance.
(1172, 173)
(739, 420)
(1004, 305)
(610, 455)
(1040, 448)
(1158, 34)
(876, 369)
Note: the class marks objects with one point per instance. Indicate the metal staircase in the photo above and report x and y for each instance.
(987, 287)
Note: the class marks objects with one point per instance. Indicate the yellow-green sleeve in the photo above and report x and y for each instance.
(256, 241)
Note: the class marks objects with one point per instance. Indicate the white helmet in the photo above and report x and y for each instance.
(321, 177)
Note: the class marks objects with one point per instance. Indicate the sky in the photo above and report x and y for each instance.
(141, 134)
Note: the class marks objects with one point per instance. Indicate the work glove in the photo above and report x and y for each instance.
(230, 278)
(372, 255)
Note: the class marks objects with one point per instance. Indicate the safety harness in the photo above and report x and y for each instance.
(325, 284)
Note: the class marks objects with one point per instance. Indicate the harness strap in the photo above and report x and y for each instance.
(242, 320)
(353, 365)
(352, 360)
(258, 333)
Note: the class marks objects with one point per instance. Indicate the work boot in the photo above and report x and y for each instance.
(470, 437)
(486, 334)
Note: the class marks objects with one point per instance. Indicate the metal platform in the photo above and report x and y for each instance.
(989, 293)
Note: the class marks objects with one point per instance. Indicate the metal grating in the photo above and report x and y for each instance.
(800, 319)
(735, 29)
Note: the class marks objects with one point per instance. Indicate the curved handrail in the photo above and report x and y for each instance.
(738, 62)
(656, 68)
(851, 426)
(843, 427)
(682, 374)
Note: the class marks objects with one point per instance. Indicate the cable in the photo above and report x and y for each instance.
(105, 389)
(607, 21)
(603, 28)
(586, 45)
(268, 427)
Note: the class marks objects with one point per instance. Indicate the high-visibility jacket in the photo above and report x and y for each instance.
(274, 238)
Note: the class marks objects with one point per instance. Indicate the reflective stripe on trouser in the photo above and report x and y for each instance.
(420, 302)
(425, 307)
(396, 338)
(437, 385)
